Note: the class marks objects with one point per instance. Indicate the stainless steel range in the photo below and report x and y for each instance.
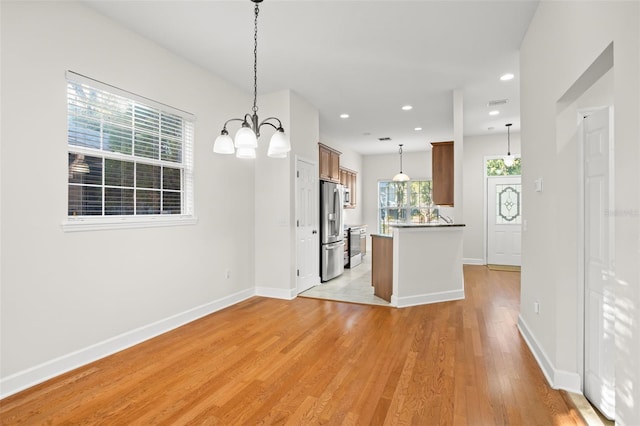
(356, 235)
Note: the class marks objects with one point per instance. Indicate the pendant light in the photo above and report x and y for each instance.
(508, 159)
(401, 177)
(246, 139)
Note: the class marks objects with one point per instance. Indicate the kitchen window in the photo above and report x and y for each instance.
(404, 203)
(130, 159)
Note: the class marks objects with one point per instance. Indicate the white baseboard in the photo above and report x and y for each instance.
(47, 370)
(277, 293)
(473, 261)
(557, 379)
(424, 299)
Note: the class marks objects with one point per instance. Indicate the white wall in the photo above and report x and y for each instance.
(65, 292)
(275, 192)
(571, 36)
(476, 149)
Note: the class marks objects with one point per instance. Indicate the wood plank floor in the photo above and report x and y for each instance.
(309, 361)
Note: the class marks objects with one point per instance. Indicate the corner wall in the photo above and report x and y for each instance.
(67, 298)
(570, 36)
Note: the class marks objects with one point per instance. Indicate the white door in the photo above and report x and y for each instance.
(308, 265)
(599, 373)
(504, 218)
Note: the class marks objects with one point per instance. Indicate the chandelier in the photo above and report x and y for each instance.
(246, 139)
(401, 177)
(508, 159)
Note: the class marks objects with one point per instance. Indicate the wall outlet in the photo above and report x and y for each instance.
(227, 274)
(536, 307)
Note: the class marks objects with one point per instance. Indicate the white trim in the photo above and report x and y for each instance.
(277, 293)
(125, 222)
(557, 379)
(52, 368)
(428, 298)
(473, 261)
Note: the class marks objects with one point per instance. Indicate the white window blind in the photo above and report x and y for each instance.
(130, 158)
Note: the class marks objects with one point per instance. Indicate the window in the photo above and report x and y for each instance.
(404, 203)
(129, 160)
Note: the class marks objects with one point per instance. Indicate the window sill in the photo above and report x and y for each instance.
(128, 222)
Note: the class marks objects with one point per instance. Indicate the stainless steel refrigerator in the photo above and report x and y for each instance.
(331, 230)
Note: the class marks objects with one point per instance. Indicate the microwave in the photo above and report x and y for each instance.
(347, 196)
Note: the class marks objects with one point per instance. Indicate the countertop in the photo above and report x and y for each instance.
(429, 225)
(354, 226)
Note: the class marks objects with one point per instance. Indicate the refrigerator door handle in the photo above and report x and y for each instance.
(334, 246)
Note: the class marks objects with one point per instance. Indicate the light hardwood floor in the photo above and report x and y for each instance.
(310, 361)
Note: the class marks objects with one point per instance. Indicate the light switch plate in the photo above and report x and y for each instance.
(538, 184)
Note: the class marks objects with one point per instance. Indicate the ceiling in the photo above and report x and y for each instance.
(363, 58)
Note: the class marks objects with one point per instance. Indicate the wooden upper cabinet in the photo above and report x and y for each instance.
(442, 170)
(348, 178)
(329, 163)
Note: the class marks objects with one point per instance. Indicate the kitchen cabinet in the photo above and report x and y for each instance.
(382, 266)
(442, 173)
(348, 178)
(329, 163)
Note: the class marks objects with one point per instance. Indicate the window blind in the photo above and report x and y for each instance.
(128, 155)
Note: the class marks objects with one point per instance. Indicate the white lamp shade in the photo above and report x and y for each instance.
(401, 177)
(246, 138)
(508, 160)
(279, 145)
(223, 145)
(246, 153)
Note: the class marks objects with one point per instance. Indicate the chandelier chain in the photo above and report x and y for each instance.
(255, 60)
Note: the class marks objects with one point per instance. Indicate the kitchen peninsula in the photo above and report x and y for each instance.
(420, 264)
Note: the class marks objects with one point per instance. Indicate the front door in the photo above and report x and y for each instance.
(306, 225)
(599, 373)
(504, 218)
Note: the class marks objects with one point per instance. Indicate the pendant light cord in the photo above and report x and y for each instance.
(400, 158)
(255, 60)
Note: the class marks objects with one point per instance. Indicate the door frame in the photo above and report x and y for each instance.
(580, 223)
(485, 205)
(315, 166)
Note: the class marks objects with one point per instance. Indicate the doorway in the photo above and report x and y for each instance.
(307, 263)
(599, 303)
(503, 224)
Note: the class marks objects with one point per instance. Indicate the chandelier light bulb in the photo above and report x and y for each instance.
(509, 160)
(223, 144)
(246, 138)
(279, 144)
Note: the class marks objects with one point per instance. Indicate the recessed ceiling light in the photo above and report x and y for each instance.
(344, 115)
(494, 112)
(417, 129)
(507, 77)
(407, 108)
